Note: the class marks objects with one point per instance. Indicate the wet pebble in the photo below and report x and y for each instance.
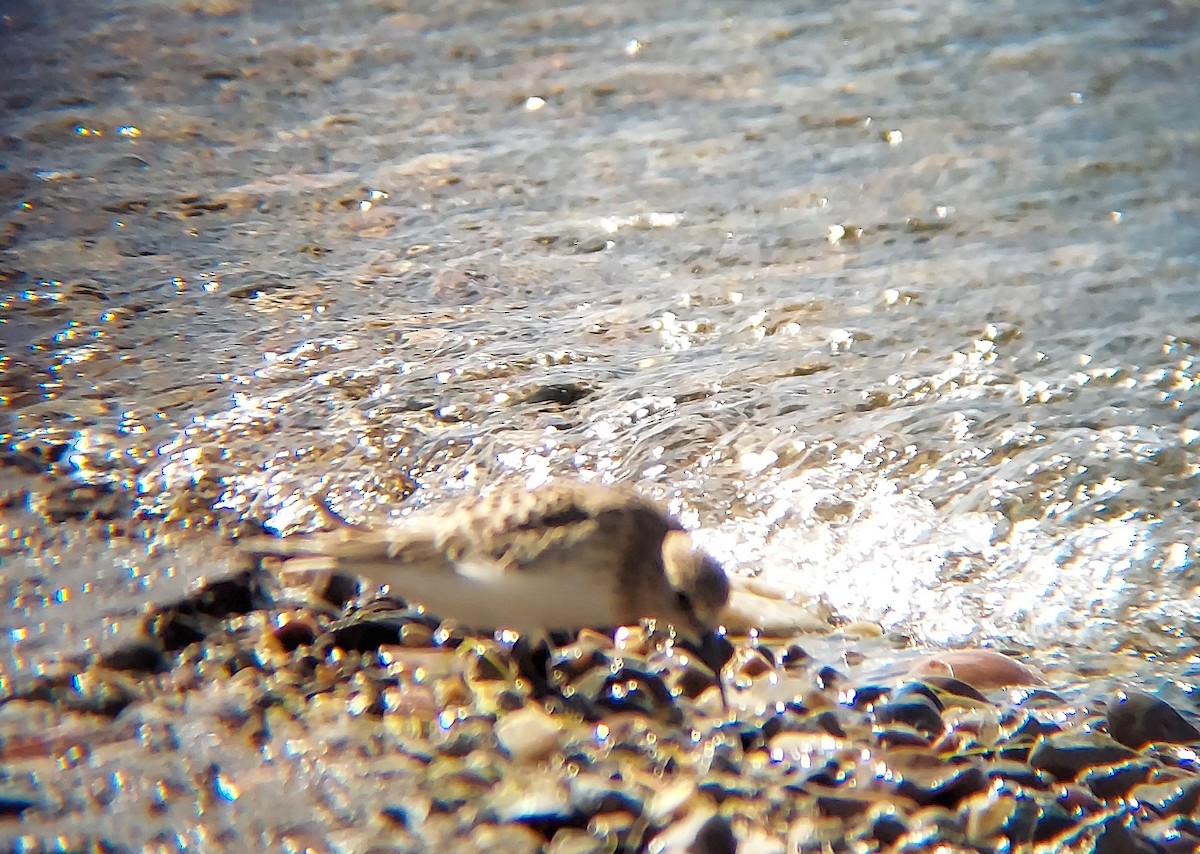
(505, 839)
(1065, 756)
(1136, 719)
(914, 705)
(998, 815)
(715, 836)
(570, 840)
(980, 668)
(380, 623)
(142, 655)
(529, 734)
(1115, 781)
(1118, 837)
(1168, 796)
(946, 785)
(621, 746)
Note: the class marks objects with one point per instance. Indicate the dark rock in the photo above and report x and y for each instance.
(177, 629)
(866, 695)
(1118, 838)
(1053, 821)
(950, 685)
(920, 689)
(694, 679)
(295, 634)
(793, 657)
(902, 735)
(1115, 781)
(715, 836)
(830, 775)
(340, 589)
(1020, 774)
(842, 804)
(887, 828)
(397, 816)
(202, 613)
(631, 690)
(914, 709)
(945, 786)
(828, 678)
(828, 722)
(1136, 719)
(752, 663)
(376, 623)
(1066, 756)
(143, 655)
(774, 725)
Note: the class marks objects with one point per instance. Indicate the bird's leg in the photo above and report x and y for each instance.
(531, 655)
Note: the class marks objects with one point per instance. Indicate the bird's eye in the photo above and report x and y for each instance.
(683, 602)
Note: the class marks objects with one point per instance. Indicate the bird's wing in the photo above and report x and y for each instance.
(504, 532)
(347, 549)
(522, 530)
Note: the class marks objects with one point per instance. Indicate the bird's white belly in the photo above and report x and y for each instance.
(522, 600)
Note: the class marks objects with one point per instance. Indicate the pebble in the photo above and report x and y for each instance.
(1136, 719)
(1066, 756)
(715, 836)
(980, 668)
(529, 734)
(373, 722)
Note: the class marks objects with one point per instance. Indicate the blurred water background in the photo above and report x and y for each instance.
(898, 302)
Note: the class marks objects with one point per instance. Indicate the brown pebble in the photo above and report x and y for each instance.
(980, 668)
(529, 734)
(507, 838)
(863, 629)
(752, 663)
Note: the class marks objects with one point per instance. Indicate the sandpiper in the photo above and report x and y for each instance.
(563, 556)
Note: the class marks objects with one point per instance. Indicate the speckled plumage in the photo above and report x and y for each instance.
(562, 556)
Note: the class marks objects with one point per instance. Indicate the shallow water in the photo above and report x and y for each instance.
(899, 305)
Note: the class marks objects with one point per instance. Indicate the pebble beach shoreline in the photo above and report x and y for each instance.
(891, 304)
(363, 725)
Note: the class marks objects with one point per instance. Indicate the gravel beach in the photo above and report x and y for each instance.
(894, 306)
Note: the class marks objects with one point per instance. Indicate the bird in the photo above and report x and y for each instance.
(559, 557)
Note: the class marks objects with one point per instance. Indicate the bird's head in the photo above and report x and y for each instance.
(699, 586)
(699, 592)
